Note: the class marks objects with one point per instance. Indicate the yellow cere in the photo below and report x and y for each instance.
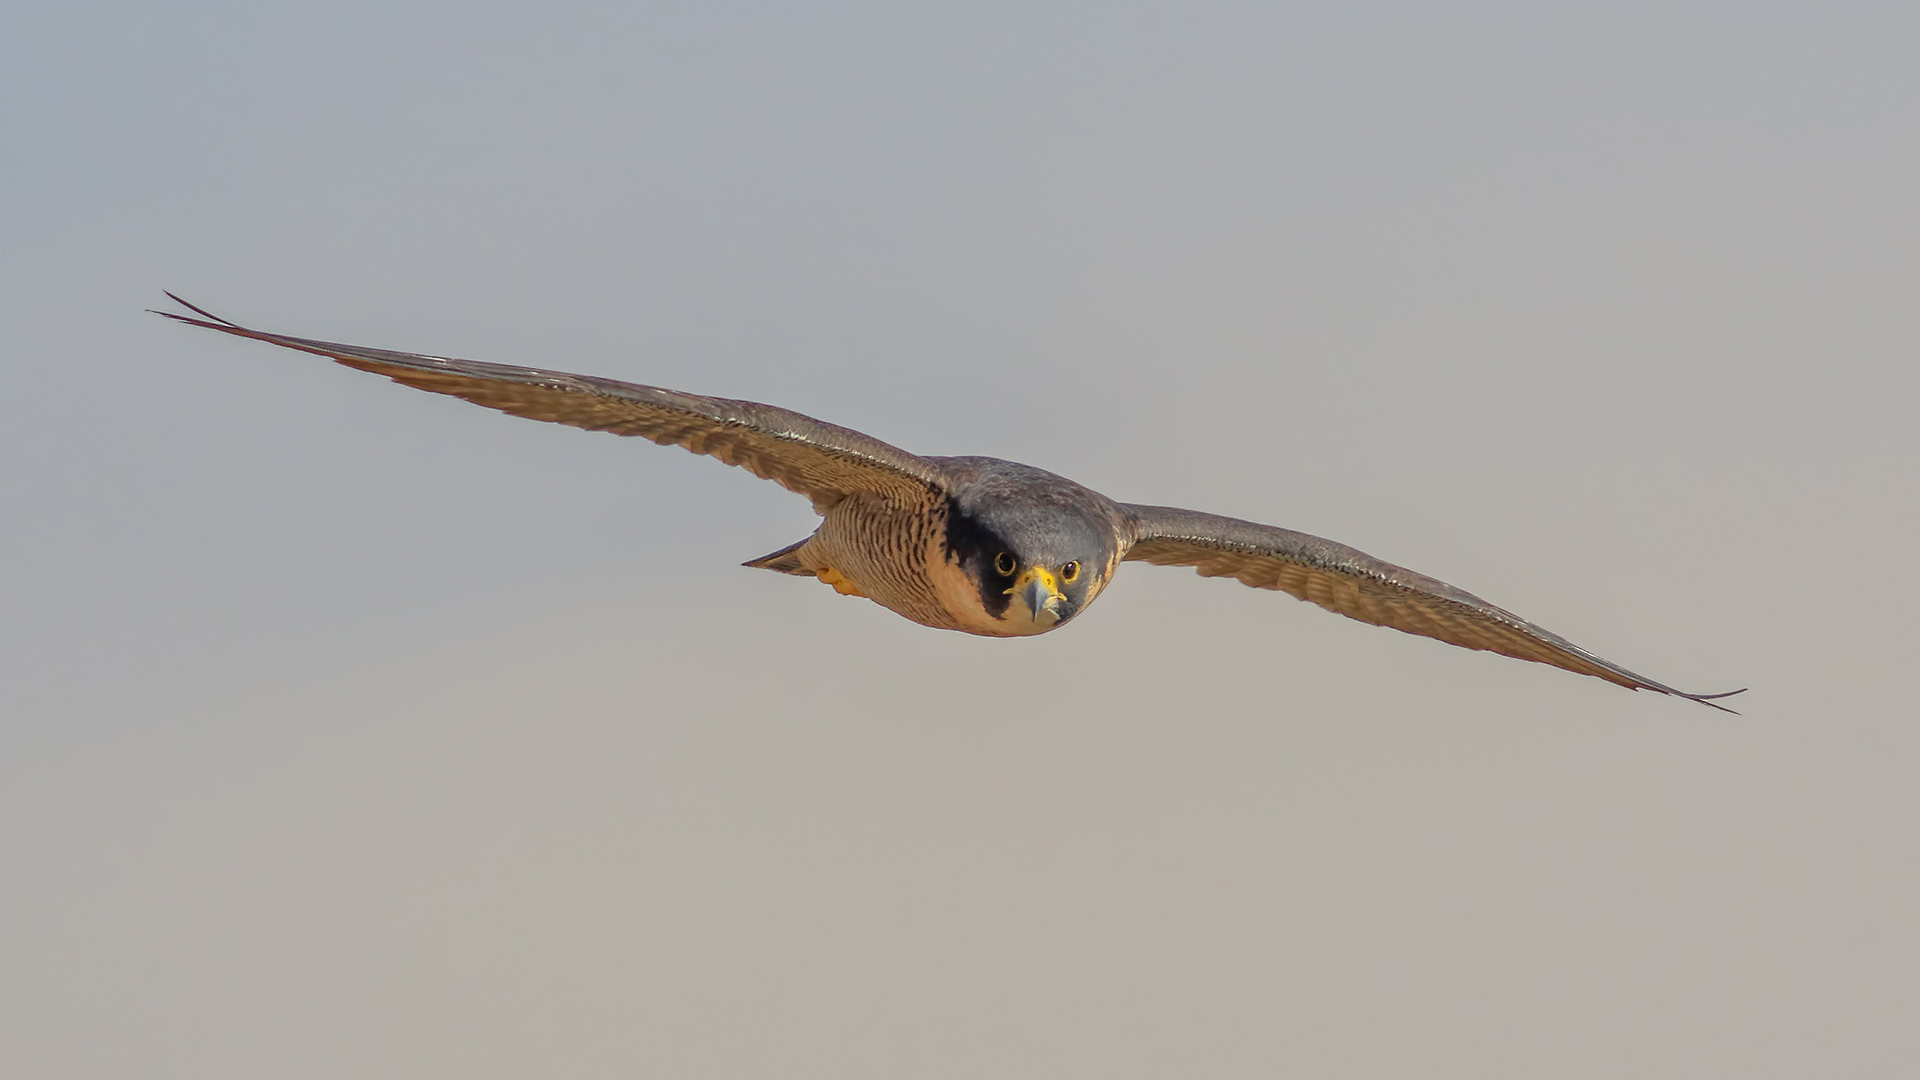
(1043, 574)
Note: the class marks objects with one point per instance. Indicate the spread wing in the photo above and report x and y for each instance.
(1359, 586)
(819, 460)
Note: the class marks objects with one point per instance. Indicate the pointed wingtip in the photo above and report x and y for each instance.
(213, 321)
(1710, 700)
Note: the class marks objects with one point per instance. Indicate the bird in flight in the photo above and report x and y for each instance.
(974, 544)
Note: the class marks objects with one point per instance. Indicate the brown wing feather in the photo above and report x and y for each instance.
(1359, 586)
(816, 459)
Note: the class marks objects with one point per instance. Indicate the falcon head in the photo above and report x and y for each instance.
(1031, 549)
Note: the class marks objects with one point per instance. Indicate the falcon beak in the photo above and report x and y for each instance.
(1040, 591)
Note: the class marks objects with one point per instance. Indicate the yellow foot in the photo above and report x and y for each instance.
(839, 582)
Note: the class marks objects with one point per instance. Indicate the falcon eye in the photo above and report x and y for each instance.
(1006, 564)
(1070, 571)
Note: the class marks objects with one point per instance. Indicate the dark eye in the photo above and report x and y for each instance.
(1070, 571)
(1006, 564)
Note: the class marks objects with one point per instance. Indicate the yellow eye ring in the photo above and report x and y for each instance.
(1005, 564)
(1070, 571)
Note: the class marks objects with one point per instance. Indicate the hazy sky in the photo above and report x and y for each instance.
(355, 732)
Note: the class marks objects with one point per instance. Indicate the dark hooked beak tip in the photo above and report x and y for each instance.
(1043, 602)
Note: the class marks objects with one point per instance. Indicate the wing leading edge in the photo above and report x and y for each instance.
(1352, 583)
(821, 461)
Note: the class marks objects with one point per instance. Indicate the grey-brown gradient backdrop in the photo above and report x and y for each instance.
(355, 732)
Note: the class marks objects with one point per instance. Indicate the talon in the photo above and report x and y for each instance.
(839, 582)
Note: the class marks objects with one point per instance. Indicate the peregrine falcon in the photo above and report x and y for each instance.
(974, 544)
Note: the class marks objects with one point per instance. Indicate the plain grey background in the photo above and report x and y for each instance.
(351, 731)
